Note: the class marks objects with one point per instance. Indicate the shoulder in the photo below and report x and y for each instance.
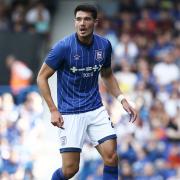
(65, 42)
(68, 39)
(102, 39)
(105, 42)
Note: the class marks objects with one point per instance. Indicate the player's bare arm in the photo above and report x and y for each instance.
(42, 80)
(111, 84)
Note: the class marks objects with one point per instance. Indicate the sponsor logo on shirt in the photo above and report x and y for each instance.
(86, 69)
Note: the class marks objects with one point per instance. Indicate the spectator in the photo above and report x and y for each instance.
(125, 49)
(176, 177)
(166, 71)
(162, 45)
(126, 172)
(146, 25)
(39, 16)
(4, 24)
(125, 77)
(21, 74)
(17, 17)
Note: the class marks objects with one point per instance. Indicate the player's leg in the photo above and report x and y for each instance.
(107, 149)
(71, 140)
(103, 136)
(70, 166)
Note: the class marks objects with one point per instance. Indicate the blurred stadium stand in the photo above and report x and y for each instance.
(146, 61)
(23, 144)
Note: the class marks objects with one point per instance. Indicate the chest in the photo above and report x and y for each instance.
(83, 59)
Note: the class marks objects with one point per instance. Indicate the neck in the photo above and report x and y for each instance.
(86, 40)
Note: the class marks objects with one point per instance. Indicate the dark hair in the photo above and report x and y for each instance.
(87, 8)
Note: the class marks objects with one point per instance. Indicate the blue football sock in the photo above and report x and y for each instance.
(110, 173)
(58, 175)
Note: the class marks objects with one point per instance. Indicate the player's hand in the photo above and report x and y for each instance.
(130, 110)
(57, 119)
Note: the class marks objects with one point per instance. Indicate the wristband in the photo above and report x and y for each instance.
(120, 98)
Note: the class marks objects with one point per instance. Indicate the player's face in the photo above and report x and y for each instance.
(84, 24)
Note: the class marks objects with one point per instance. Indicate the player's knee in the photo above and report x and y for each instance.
(70, 171)
(111, 159)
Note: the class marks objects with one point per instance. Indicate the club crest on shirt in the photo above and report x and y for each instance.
(99, 55)
(76, 57)
(63, 140)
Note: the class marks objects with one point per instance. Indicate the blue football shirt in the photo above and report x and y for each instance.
(78, 66)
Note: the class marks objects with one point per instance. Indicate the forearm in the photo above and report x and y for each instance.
(111, 85)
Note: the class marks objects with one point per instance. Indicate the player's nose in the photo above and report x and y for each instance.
(82, 22)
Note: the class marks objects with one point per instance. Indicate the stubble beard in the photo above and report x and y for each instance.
(85, 37)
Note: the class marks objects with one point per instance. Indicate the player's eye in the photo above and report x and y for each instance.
(87, 19)
(78, 19)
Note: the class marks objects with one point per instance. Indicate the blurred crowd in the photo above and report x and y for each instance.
(146, 61)
(33, 16)
(21, 130)
(21, 125)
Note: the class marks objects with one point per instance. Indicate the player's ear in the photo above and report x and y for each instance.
(96, 22)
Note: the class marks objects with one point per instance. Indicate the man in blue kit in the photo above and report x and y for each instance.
(78, 60)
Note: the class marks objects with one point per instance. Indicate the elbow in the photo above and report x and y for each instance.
(41, 79)
(38, 79)
(107, 76)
